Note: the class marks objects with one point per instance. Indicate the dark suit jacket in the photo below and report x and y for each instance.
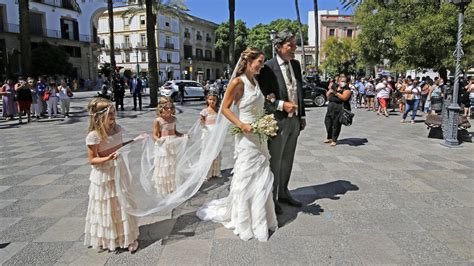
(271, 80)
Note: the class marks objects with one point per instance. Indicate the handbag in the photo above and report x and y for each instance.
(69, 93)
(345, 117)
(46, 95)
(409, 97)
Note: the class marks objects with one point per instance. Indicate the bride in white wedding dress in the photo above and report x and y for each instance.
(249, 209)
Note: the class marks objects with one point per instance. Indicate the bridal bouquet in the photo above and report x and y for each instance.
(266, 126)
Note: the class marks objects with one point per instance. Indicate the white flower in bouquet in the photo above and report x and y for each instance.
(264, 127)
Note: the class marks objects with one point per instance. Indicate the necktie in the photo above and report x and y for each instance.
(288, 73)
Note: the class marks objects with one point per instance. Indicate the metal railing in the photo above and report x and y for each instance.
(37, 30)
(169, 45)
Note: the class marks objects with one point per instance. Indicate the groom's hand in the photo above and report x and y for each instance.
(289, 107)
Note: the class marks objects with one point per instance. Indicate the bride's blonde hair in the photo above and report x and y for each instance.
(248, 55)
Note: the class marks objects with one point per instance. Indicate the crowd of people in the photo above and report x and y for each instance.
(409, 95)
(29, 98)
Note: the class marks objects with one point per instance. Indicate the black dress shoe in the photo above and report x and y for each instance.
(278, 209)
(291, 201)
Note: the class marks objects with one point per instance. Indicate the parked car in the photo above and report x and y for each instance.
(193, 89)
(314, 94)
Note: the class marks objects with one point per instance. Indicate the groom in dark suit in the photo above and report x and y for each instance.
(281, 77)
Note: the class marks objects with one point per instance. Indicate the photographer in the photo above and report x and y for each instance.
(338, 96)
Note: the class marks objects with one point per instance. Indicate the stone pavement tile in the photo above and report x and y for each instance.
(374, 200)
(384, 186)
(338, 166)
(77, 161)
(467, 163)
(156, 230)
(56, 161)
(48, 192)
(326, 249)
(7, 222)
(80, 192)
(394, 221)
(80, 210)
(463, 216)
(40, 180)
(439, 200)
(433, 157)
(78, 254)
(465, 198)
(73, 180)
(407, 200)
(62, 169)
(14, 180)
(325, 159)
(350, 159)
(463, 250)
(443, 184)
(305, 224)
(148, 254)
(396, 165)
(29, 162)
(75, 154)
(56, 208)
(452, 236)
(66, 229)
(451, 165)
(342, 204)
(422, 248)
(466, 183)
(377, 248)
(238, 252)
(21, 208)
(5, 203)
(432, 219)
(350, 222)
(23, 155)
(39, 253)
(3, 188)
(27, 229)
(197, 252)
(65, 148)
(223, 233)
(11, 250)
(16, 192)
(415, 186)
(83, 170)
(35, 170)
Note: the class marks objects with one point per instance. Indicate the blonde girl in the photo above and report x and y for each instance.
(166, 144)
(108, 226)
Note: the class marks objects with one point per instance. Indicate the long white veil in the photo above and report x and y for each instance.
(135, 167)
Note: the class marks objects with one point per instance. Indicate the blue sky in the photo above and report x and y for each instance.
(257, 11)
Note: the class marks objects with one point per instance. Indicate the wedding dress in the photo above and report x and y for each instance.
(249, 209)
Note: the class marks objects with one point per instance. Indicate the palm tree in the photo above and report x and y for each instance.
(25, 46)
(300, 29)
(110, 12)
(316, 33)
(231, 32)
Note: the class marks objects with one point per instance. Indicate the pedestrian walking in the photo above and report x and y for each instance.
(136, 91)
(9, 107)
(412, 94)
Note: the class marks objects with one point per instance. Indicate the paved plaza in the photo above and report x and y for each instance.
(385, 194)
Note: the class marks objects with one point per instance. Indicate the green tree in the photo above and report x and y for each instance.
(222, 38)
(50, 60)
(412, 34)
(339, 56)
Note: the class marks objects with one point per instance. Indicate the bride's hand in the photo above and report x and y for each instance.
(271, 97)
(246, 128)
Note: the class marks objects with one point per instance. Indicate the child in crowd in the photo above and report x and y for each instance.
(208, 121)
(108, 226)
(164, 135)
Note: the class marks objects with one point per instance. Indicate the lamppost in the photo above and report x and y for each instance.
(450, 127)
(272, 37)
(137, 68)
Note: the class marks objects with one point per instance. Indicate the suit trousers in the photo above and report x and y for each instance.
(282, 151)
(137, 94)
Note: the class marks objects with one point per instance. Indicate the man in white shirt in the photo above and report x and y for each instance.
(282, 78)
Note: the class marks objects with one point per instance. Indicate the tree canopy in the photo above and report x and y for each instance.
(339, 56)
(258, 36)
(47, 59)
(412, 34)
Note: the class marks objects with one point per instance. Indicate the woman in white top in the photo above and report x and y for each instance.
(383, 94)
(65, 94)
(52, 101)
(412, 93)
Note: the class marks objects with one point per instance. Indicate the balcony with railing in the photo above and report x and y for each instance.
(38, 30)
(169, 45)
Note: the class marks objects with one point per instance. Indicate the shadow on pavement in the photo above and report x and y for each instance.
(353, 141)
(308, 196)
